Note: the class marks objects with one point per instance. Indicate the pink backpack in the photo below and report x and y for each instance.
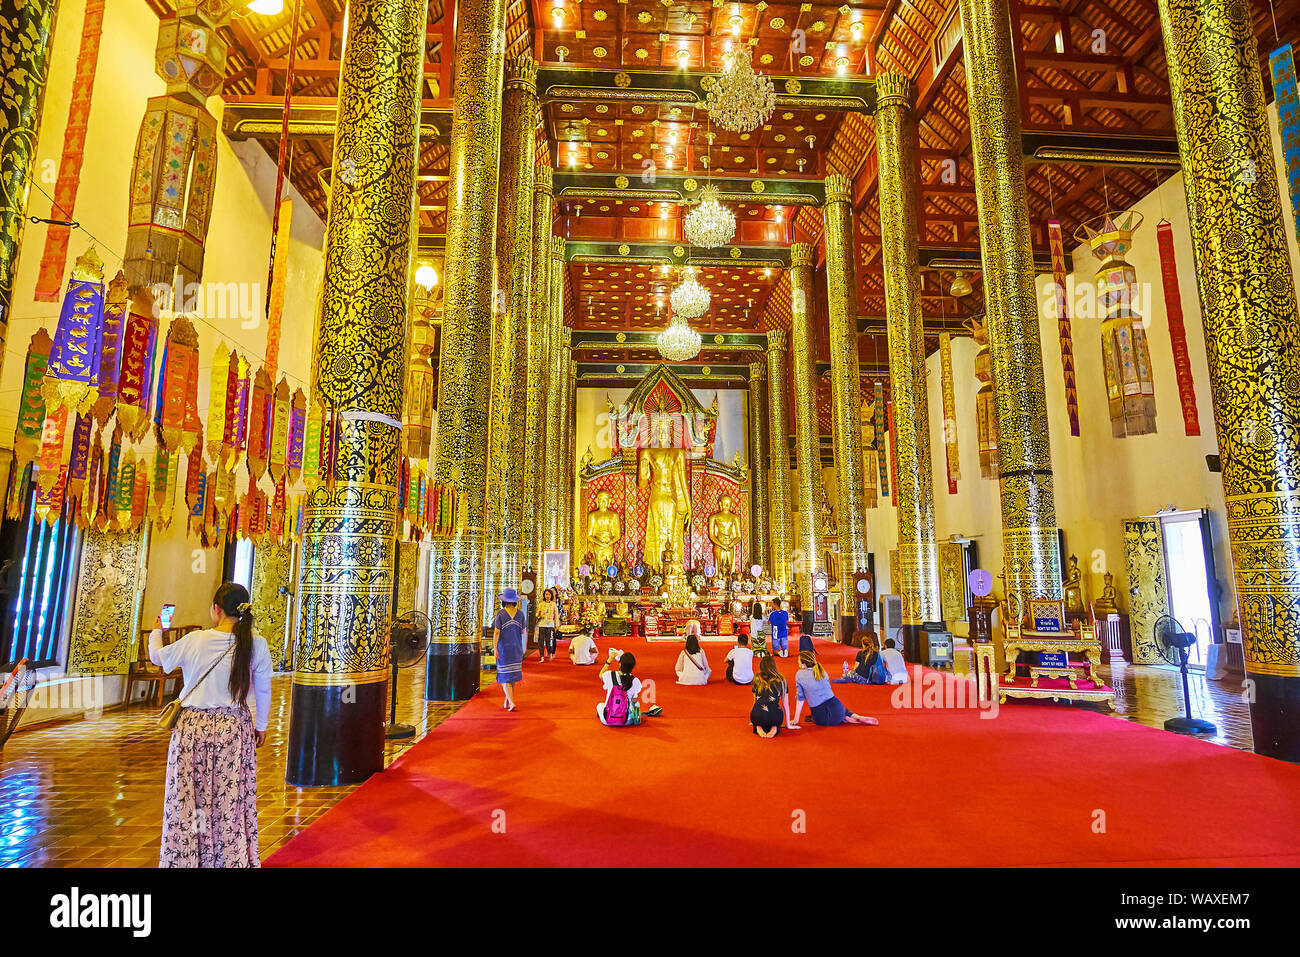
(618, 705)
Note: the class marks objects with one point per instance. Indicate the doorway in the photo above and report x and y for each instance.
(1189, 574)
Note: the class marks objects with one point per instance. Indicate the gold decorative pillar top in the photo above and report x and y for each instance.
(839, 189)
(801, 255)
(543, 178)
(776, 339)
(521, 73)
(893, 90)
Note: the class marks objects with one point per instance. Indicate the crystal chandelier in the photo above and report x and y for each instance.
(679, 341)
(710, 224)
(689, 300)
(740, 100)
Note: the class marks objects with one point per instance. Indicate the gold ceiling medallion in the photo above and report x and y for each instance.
(758, 186)
(679, 252)
(706, 83)
(792, 85)
(718, 339)
(622, 80)
(620, 368)
(735, 252)
(620, 181)
(624, 249)
(706, 370)
(689, 184)
(621, 337)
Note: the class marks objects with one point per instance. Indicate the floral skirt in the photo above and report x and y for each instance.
(210, 804)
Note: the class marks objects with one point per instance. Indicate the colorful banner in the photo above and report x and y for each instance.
(1177, 333)
(71, 377)
(881, 429)
(51, 459)
(64, 203)
(259, 441)
(237, 413)
(116, 304)
(1062, 309)
(135, 381)
(1281, 63)
(219, 383)
(279, 270)
(297, 435)
(312, 442)
(48, 504)
(950, 451)
(176, 377)
(79, 460)
(31, 403)
(107, 515)
(278, 451)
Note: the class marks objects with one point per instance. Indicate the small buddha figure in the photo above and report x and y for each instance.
(1073, 588)
(620, 609)
(724, 532)
(1105, 605)
(604, 529)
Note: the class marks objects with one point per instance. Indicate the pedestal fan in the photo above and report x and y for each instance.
(407, 640)
(14, 697)
(1173, 644)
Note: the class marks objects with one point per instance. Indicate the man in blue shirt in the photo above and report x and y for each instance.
(779, 621)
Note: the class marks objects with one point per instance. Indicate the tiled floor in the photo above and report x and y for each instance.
(89, 793)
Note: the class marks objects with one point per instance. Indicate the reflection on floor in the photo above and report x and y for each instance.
(89, 793)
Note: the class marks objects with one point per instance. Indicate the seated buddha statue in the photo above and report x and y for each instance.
(1105, 604)
(1073, 589)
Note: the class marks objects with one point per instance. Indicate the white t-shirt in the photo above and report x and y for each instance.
(895, 665)
(742, 668)
(196, 652)
(582, 649)
(607, 681)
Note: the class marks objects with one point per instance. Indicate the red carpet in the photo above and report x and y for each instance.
(549, 785)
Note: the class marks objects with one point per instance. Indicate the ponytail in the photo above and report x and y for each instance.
(809, 660)
(233, 600)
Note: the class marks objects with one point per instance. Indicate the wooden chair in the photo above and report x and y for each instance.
(143, 671)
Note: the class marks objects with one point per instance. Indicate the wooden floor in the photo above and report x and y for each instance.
(89, 793)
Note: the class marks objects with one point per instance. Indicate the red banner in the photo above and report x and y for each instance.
(1177, 332)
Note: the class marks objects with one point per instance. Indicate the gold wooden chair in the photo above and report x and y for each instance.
(143, 671)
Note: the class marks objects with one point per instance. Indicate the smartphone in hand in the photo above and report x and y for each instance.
(165, 616)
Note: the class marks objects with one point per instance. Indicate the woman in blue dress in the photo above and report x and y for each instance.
(508, 631)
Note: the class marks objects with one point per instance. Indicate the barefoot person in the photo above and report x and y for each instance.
(813, 686)
(771, 700)
(210, 801)
(508, 630)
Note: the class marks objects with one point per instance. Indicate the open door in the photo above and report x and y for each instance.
(1148, 599)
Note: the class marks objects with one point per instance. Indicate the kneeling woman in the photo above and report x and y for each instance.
(210, 802)
(812, 685)
(770, 700)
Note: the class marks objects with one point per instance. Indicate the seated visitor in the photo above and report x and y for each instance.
(740, 662)
(895, 666)
(779, 624)
(771, 701)
(582, 648)
(813, 686)
(870, 668)
(692, 665)
(621, 707)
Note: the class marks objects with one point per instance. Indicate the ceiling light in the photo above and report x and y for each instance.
(679, 341)
(689, 299)
(740, 99)
(266, 8)
(710, 224)
(960, 285)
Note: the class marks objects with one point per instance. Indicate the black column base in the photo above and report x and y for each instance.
(848, 625)
(336, 734)
(452, 674)
(911, 643)
(806, 623)
(1275, 716)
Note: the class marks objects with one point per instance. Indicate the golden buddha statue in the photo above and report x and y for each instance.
(724, 532)
(1105, 605)
(1073, 588)
(668, 512)
(604, 529)
(620, 609)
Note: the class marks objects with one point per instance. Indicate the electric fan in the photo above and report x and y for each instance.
(1173, 644)
(14, 697)
(407, 640)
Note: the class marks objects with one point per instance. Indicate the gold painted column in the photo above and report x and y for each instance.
(918, 558)
(563, 489)
(456, 563)
(846, 392)
(1030, 560)
(533, 515)
(511, 313)
(350, 521)
(26, 30)
(551, 434)
(778, 474)
(807, 442)
(1252, 339)
(759, 551)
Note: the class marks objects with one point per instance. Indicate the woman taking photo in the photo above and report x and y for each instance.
(812, 685)
(210, 802)
(548, 622)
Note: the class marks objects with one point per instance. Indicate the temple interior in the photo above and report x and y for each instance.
(967, 326)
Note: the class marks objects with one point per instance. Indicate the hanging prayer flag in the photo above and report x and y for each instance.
(139, 495)
(107, 514)
(1281, 63)
(278, 450)
(1062, 310)
(31, 404)
(893, 447)
(116, 304)
(48, 504)
(180, 357)
(197, 500)
(279, 271)
(950, 450)
(881, 428)
(259, 442)
(312, 443)
(121, 519)
(71, 378)
(51, 459)
(135, 380)
(79, 460)
(218, 400)
(94, 490)
(1177, 333)
(297, 430)
(237, 422)
(164, 486)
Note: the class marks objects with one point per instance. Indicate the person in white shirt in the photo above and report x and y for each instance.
(740, 662)
(692, 665)
(210, 800)
(618, 667)
(894, 663)
(582, 649)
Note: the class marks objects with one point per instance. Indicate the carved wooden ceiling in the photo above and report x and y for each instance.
(1088, 69)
